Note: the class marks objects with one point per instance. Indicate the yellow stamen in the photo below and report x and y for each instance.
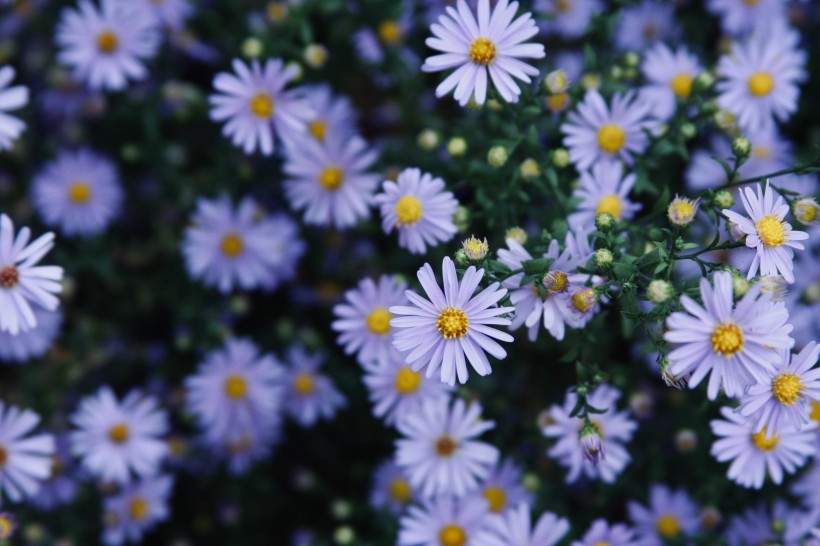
(331, 178)
(378, 321)
(138, 509)
(452, 535)
(612, 204)
(236, 387)
(445, 446)
(318, 129)
(497, 498)
(452, 323)
(786, 388)
(79, 192)
(119, 433)
(107, 42)
(482, 51)
(611, 138)
(408, 210)
(583, 300)
(771, 231)
(232, 245)
(765, 444)
(303, 383)
(390, 32)
(261, 105)
(761, 84)
(682, 85)
(400, 490)
(668, 526)
(407, 381)
(727, 339)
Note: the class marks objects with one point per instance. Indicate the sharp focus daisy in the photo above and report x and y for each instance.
(11, 98)
(240, 247)
(363, 319)
(483, 47)
(116, 440)
(25, 460)
(391, 488)
(603, 189)
(106, 46)
(594, 131)
(419, 209)
(452, 327)
(767, 232)
(79, 193)
(567, 18)
(738, 17)
(440, 451)
(309, 395)
(256, 107)
(602, 533)
(443, 521)
(756, 454)
(503, 488)
(669, 75)
(34, 342)
(22, 283)
(670, 515)
(784, 401)
(647, 23)
(760, 77)
(136, 510)
(169, 13)
(738, 345)
(329, 181)
(514, 527)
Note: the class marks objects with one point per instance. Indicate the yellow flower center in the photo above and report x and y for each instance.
(727, 339)
(6, 526)
(138, 509)
(119, 433)
(668, 526)
(261, 105)
(232, 245)
(9, 277)
(751, 2)
(682, 85)
(611, 138)
(806, 211)
(400, 490)
(407, 381)
(331, 178)
(452, 535)
(563, 6)
(303, 383)
(318, 129)
(378, 321)
(236, 388)
(765, 444)
(556, 282)
(107, 42)
(408, 210)
(786, 388)
(4, 456)
(240, 445)
(761, 84)
(277, 12)
(815, 410)
(610, 203)
(761, 152)
(558, 102)
(497, 498)
(445, 446)
(583, 299)
(390, 32)
(770, 230)
(482, 51)
(452, 323)
(79, 192)
(681, 212)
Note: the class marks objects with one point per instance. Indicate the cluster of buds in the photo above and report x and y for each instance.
(556, 84)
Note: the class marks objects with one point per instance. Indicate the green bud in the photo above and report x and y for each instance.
(497, 156)
(688, 130)
(516, 234)
(632, 59)
(315, 55)
(560, 158)
(604, 222)
(703, 81)
(741, 147)
(603, 258)
(457, 147)
(344, 535)
(461, 258)
(659, 291)
(428, 139)
(529, 169)
(739, 286)
(724, 199)
(461, 218)
(252, 48)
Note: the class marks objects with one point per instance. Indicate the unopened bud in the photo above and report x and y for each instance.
(603, 258)
(497, 156)
(739, 286)
(556, 82)
(457, 146)
(686, 440)
(632, 59)
(703, 81)
(591, 443)
(774, 287)
(516, 234)
(806, 210)
(678, 382)
(741, 147)
(315, 55)
(529, 169)
(428, 139)
(475, 249)
(461, 218)
(252, 47)
(724, 199)
(604, 222)
(681, 211)
(560, 158)
(659, 291)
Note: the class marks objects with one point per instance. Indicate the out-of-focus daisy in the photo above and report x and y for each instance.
(613, 428)
(136, 510)
(738, 345)
(373, 44)
(669, 75)
(756, 454)
(34, 342)
(783, 402)
(106, 46)
(11, 98)
(503, 488)
(567, 18)
(22, 283)
(443, 521)
(766, 231)
(79, 193)
(594, 131)
(309, 395)
(642, 25)
(601, 532)
(487, 46)
(603, 189)
(169, 13)
(256, 107)
(396, 390)
(417, 206)
(229, 247)
(115, 439)
(670, 515)
(391, 488)
(760, 76)
(513, 527)
(453, 326)
(440, 452)
(778, 524)
(363, 319)
(740, 17)
(332, 114)
(242, 446)
(329, 181)
(25, 460)
(61, 486)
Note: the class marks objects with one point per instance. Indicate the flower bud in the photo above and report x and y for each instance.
(315, 55)
(659, 291)
(460, 257)
(428, 139)
(252, 48)
(529, 169)
(494, 105)
(689, 130)
(497, 156)
(456, 147)
(805, 210)
(531, 482)
(735, 232)
(344, 535)
(632, 59)
(603, 258)
(681, 211)
(604, 222)
(703, 81)
(591, 443)
(686, 441)
(516, 234)
(461, 218)
(341, 509)
(560, 158)
(558, 102)
(726, 121)
(774, 287)
(475, 249)
(591, 81)
(739, 286)
(556, 82)
(741, 147)
(277, 12)
(679, 383)
(724, 199)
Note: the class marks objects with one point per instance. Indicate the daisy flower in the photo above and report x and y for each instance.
(26, 459)
(169, 13)
(440, 452)
(309, 395)
(613, 428)
(642, 25)
(780, 524)
(784, 401)
(669, 75)
(417, 206)
(443, 521)
(106, 46)
(453, 326)
(22, 283)
(741, 17)
(256, 107)
(759, 77)
(117, 439)
(767, 232)
(363, 319)
(503, 488)
(567, 18)
(756, 454)
(594, 131)
(332, 114)
(61, 486)
(243, 446)
(11, 98)
(395, 390)
(513, 527)
(34, 342)
(484, 47)
(670, 515)
(79, 193)
(391, 488)
(329, 181)
(136, 510)
(240, 247)
(600, 532)
(738, 345)
(603, 189)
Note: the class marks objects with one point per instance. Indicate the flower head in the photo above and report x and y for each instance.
(25, 460)
(681, 211)
(669, 515)
(136, 510)
(443, 521)
(309, 395)
(670, 75)
(11, 98)
(603, 189)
